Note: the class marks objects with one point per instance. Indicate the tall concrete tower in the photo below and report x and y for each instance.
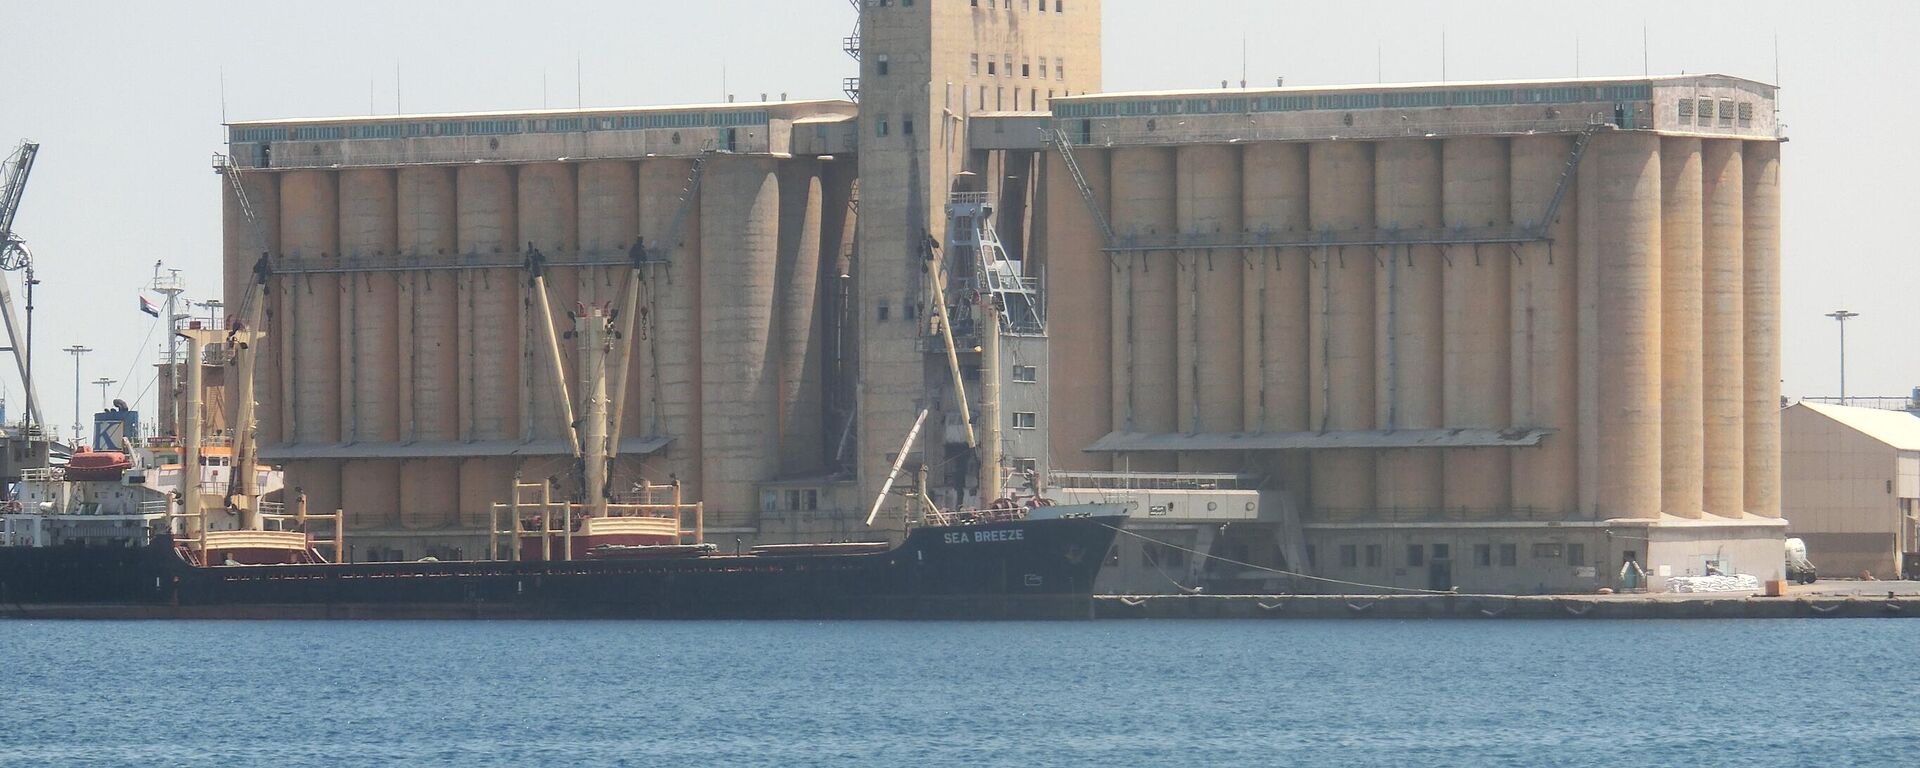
(926, 67)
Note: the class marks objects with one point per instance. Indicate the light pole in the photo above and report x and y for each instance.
(77, 351)
(104, 382)
(1843, 316)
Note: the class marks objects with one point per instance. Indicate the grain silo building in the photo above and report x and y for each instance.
(1490, 335)
(1503, 335)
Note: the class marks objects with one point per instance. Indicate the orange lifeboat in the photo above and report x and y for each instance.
(98, 465)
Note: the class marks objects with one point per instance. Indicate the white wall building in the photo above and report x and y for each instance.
(1851, 484)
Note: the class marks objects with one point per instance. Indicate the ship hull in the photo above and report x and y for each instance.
(1028, 569)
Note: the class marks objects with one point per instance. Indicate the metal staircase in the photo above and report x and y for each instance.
(851, 44)
(1065, 145)
(1567, 173)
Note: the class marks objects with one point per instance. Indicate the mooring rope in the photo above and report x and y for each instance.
(1295, 574)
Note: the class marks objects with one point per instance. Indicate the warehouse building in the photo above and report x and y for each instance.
(1851, 476)
(1512, 335)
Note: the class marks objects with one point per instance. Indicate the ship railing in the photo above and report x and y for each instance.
(43, 474)
(948, 517)
(154, 507)
(534, 513)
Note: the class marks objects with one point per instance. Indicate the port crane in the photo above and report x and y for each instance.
(14, 257)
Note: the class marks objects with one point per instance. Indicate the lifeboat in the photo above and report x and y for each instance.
(98, 465)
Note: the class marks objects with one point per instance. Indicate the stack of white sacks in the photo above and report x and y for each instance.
(1736, 583)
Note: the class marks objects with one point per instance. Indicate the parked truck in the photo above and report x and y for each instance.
(1799, 568)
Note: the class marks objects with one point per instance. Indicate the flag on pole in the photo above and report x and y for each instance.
(148, 307)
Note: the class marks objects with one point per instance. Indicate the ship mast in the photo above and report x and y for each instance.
(596, 447)
(192, 507)
(990, 475)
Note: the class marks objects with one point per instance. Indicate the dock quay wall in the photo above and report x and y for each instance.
(1452, 606)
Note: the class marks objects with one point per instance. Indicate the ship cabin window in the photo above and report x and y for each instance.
(803, 499)
(1546, 550)
(974, 65)
(883, 312)
(1483, 555)
(1509, 555)
(1442, 552)
(1726, 113)
(881, 65)
(1026, 374)
(1416, 555)
(1025, 420)
(1373, 555)
(993, 68)
(1026, 466)
(1576, 554)
(1685, 114)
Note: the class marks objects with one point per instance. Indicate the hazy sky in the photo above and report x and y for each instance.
(126, 99)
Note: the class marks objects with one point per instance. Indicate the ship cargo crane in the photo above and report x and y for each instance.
(14, 256)
(242, 356)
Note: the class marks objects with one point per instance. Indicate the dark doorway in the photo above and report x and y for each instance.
(1440, 574)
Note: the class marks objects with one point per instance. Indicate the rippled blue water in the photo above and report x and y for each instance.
(1804, 692)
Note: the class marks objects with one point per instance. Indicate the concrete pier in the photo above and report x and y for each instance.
(1729, 605)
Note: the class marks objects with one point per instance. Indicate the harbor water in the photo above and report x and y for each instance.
(1139, 693)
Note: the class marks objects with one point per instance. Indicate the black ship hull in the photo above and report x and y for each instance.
(1026, 569)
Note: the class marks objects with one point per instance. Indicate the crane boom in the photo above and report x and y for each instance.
(13, 256)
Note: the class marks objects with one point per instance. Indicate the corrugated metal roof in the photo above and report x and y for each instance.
(1461, 84)
(1274, 441)
(1896, 428)
(842, 106)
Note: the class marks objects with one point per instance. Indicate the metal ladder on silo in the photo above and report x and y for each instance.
(1065, 145)
(1567, 173)
(689, 196)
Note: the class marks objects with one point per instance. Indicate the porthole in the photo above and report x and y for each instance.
(1211, 506)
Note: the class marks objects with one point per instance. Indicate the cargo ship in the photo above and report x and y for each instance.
(1011, 566)
(183, 528)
